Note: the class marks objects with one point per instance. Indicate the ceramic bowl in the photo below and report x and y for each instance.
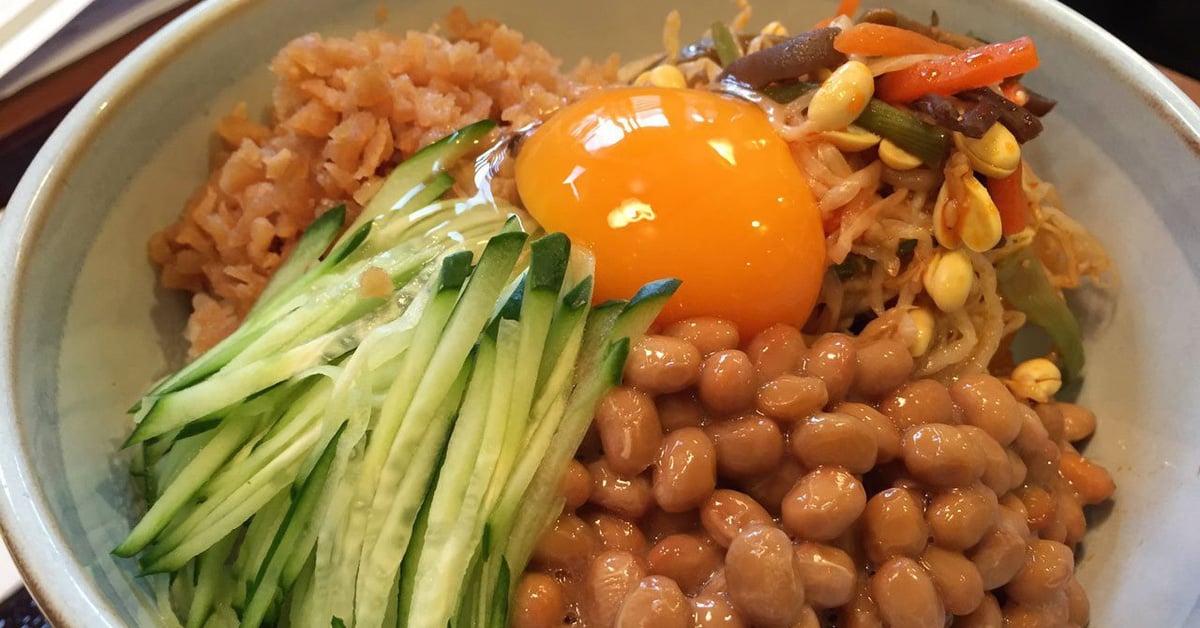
(83, 329)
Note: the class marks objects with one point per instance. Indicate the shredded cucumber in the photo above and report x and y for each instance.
(344, 460)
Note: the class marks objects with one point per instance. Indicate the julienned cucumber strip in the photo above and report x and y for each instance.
(402, 605)
(459, 335)
(216, 480)
(643, 308)
(289, 538)
(300, 592)
(429, 333)
(461, 332)
(181, 454)
(180, 408)
(403, 185)
(426, 337)
(420, 166)
(563, 343)
(195, 532)
(202, 532)
(526, 527)
(343, 534)
(333, 300)
(455, 512)
(424, 452)
(499, 608)
(312, 244)
(255, 544)
(599, 327)
(297, 420)
(574, 305)
(230, 437)
(374, 365)
(544, 418)
(220, 355)
(235, 430)
(210, 576)
(514, 531)
(549, 256)
(630, 324)
(508, 340)
(161, 414)
(484, 587)
(380, 567)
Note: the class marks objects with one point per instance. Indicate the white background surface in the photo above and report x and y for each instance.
(10, 580)
(33, 45)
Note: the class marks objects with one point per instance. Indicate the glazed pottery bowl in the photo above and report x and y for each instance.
(83, 329)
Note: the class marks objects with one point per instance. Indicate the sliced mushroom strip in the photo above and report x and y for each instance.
(789, 60)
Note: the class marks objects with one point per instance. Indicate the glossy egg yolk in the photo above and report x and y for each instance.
(680, 183)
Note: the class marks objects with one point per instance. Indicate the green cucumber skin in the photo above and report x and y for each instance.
(549, 256)
(385, 456)
(387, 554)
(454, 505)
(255, 544)
(287, 538)
(313, 242)
(421, 165)
(573, 427)
(235, 430)
(216, 488)
(643, 308)
(627, 325)
(466, 323)
(553, 356)
(225, 512)
(456, 268)
(210, 574)
(181, 407)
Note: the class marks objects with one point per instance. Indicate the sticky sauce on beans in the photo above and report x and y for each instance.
(686, 471)
(813, 482)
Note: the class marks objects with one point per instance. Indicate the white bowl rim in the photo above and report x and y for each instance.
(26, 521)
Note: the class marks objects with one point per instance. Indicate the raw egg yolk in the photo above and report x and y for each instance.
(680, 183)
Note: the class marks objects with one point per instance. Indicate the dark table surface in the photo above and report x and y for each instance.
(20, 611)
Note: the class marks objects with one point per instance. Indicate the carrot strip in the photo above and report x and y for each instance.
(1009, 196)
(1014, 91)
(888, 41)
(847, 8)
(978, 67)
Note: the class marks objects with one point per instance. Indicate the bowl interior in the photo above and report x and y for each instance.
(84, 330)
